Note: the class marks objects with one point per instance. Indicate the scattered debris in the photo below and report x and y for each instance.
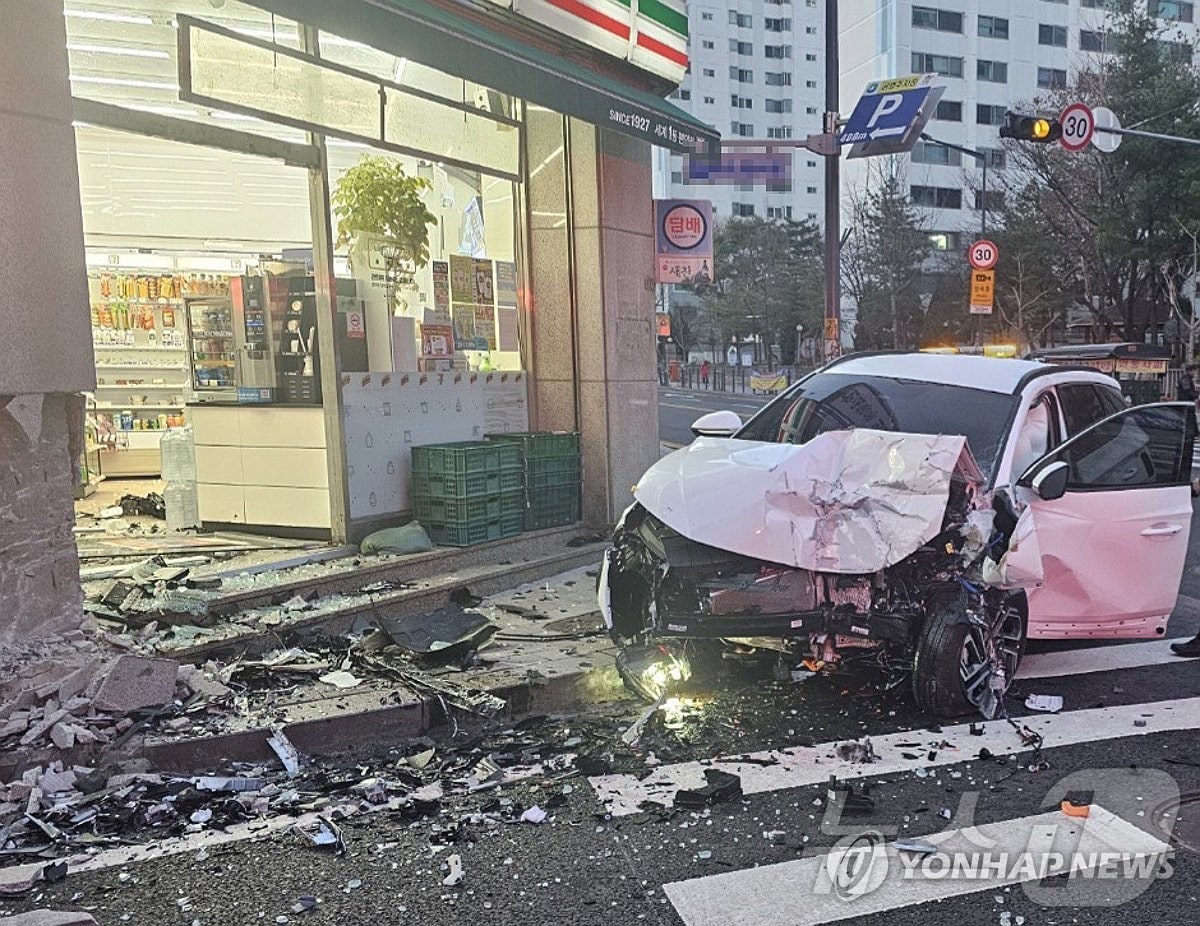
(455, 877)
(1051, 704)
(856, 752)
(287, 753)
(721, 787)
(634, 732)
(534, 814)
(135, 682)
(341, 679)
(917, 846)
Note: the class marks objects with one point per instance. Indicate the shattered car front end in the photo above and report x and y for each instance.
(837, 552)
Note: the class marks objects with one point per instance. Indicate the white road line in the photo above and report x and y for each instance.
(799, 893)
(1098, 659)
(798, 766)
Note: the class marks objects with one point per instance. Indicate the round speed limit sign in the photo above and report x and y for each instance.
(983, 255)
(1078, 123)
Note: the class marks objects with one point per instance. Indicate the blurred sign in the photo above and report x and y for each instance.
(768, 382)
(663, 321)
(983, 291)
(683, 241)
(739, 167)
(1126, 365)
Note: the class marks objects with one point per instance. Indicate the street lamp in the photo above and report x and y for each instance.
(983, 160)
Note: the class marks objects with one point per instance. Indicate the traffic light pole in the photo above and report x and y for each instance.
(833, 189)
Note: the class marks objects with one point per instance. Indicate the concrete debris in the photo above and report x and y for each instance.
(341, 679)
(136, 682)
(50, 918)
(855, 752)
(534, 814)
(455, 869)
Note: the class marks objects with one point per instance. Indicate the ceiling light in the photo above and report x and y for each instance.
(134, 19)
(114, 50)
(126, 82)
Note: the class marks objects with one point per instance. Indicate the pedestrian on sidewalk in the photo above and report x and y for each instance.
(704, 373)
(1186, 390)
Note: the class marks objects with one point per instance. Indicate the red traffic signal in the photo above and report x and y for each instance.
(1031, 128)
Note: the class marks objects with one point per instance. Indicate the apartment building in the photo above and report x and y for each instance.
(757, 73)
(992, 56)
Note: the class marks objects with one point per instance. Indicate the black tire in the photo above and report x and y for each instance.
(948, 679)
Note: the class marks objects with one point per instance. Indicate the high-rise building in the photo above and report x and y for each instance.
(757, 73)
(992, 56)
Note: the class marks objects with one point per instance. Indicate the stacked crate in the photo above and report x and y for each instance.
(468, 493)
(552, 477)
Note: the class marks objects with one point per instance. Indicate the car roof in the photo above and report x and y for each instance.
(991, 374)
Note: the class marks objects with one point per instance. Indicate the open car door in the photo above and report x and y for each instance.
(1113, 543)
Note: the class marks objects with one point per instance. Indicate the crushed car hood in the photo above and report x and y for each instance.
(845, 502)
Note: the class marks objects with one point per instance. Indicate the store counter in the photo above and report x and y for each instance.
(262, 466)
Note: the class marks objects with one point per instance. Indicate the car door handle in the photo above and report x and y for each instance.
(1164, 530)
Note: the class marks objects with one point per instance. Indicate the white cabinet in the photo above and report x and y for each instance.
(263, 467)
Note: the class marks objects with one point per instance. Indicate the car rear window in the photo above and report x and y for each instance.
(833, 402)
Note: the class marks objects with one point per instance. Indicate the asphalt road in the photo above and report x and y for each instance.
(1129, 729)
(1127, 732)
(678, 408)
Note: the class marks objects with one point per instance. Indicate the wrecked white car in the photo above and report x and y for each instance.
(921, 514)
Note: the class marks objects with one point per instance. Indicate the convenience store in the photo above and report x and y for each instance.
(213, 137)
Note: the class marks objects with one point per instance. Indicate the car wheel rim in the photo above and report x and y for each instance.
(977, 665)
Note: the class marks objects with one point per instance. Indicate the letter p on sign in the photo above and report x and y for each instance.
(888, 103)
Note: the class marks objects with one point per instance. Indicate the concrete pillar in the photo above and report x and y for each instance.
(45, 336)
(592, 319)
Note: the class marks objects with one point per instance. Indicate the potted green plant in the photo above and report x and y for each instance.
(377, 198)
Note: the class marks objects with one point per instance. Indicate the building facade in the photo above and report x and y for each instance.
(757, 73)
(992, 56)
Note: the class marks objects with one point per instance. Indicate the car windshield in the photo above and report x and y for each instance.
(835, 402)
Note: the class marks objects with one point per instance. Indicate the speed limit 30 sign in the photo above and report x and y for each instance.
(1078, 123)
(982, 255)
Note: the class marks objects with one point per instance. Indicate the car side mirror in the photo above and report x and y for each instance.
(1050, 482)
(717, 424)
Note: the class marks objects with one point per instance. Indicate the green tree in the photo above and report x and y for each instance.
(885, 263)
(766, 281)
(1117, 217)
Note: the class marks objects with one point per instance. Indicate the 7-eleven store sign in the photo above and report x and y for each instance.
(651, 34)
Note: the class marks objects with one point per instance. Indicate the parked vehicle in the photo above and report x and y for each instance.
(922, 514)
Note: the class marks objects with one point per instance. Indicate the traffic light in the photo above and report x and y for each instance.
(1030, 128)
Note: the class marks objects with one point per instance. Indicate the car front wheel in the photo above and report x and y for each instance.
(964, 666)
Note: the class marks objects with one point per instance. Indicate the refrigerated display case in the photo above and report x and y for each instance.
(253, 341)
(213, 348)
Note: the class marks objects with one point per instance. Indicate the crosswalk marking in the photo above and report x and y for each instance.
(798, 766)
(1098, 659)
(796, 893)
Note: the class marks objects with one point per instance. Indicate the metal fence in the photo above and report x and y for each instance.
(725, 378)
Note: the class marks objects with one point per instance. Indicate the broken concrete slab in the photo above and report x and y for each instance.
(136, 682)
(62, 736)
(42, 727)
(50, 918)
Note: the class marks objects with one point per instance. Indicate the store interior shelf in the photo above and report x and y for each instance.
(117, 300)
(142, 350)
(142, 385)
(140, 366)
(111, 407)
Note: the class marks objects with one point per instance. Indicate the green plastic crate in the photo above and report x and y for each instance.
(542, 443)
(466, 458)
(553, 469)
(466, 485)
(473, 532)
(459, 510)
(534, 484)
(552, 507)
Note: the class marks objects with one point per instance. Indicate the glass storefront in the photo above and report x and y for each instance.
(184, 238)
